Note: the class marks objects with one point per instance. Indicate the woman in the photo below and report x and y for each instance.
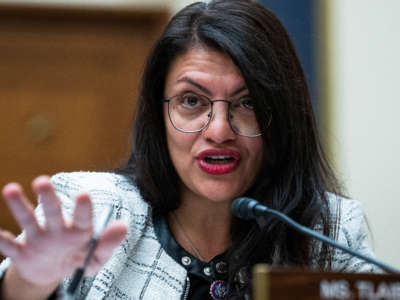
(233, 118)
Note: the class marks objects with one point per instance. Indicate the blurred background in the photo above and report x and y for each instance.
(69, 72)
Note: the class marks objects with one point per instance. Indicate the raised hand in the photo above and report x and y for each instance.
(52, 251)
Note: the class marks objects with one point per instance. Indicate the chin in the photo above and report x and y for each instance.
(218, 190)
(220, 193)
(220, 198)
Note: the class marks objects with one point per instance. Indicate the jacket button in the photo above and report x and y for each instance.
(186, 261)
(207, 271)
(221, 267)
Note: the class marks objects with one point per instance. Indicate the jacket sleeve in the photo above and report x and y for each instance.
(353, 232)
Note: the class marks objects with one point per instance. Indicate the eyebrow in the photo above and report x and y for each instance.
(205, 90)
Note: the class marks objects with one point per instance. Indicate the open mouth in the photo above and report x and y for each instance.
(219, 159)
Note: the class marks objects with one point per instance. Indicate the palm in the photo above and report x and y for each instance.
(53, 251)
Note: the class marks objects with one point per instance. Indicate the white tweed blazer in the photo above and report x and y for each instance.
(140, 268)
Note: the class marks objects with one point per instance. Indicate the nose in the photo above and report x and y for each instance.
(219, 129)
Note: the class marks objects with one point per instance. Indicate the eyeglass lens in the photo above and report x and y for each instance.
(191, 112)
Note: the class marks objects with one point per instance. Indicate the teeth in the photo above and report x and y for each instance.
(219, 157)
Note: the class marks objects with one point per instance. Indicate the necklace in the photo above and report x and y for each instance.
(219, 288)
(186, 236)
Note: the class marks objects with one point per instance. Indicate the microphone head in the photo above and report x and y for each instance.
(243, 208)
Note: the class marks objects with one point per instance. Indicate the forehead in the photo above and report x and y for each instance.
(207, 67)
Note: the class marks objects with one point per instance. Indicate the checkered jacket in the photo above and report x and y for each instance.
(140, 268)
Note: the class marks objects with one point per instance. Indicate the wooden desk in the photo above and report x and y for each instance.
(287, 284)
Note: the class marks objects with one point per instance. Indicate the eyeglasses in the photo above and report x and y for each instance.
(190, 112)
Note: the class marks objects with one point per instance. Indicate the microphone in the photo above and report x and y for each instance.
(249, 209)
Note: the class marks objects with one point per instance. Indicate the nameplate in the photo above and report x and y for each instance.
(307, 285)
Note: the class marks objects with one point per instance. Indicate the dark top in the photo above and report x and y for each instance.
(205, 278)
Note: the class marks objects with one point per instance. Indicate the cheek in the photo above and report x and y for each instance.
(256, 152)
(179, 145)
(170, 133)
(260, 149)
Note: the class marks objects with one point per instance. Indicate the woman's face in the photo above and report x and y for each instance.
(214, 164)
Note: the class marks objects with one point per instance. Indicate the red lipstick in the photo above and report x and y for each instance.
(218, 161)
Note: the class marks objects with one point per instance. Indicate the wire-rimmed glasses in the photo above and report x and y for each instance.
(190, 112)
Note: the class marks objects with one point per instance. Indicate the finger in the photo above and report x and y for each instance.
(21, 209)
(82, 217)
(50, 203)
(109, 240)
(8, 245)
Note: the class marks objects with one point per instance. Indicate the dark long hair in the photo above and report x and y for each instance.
(295, 177)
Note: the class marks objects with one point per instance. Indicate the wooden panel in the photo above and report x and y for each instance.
(289, 284)
(68, 88)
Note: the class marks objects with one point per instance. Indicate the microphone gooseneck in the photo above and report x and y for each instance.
(249, 209)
